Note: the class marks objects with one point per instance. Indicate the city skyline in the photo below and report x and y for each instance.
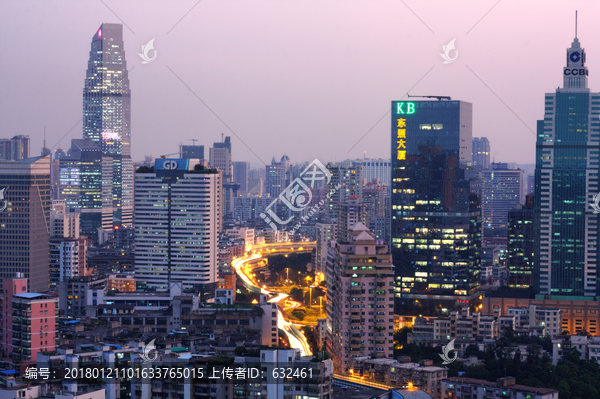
(339, 81)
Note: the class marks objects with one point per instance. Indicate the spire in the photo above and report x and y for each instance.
(575, 73)
(575, 24)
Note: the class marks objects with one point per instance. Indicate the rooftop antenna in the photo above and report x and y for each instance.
(222, 137)
(575, 23)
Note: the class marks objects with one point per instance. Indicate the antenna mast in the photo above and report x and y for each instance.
(575, 23)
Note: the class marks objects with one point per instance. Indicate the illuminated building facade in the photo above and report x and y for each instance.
(107, 114)
(177, 225)
(436, 221)
(481, 152)
(566, 181)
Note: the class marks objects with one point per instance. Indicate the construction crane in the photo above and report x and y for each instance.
(193, 141)
(440, 98)
(166, 155)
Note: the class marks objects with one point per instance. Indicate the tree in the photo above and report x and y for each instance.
(299, 314)
(297, 294)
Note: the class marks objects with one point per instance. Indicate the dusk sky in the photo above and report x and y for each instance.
(303, 78)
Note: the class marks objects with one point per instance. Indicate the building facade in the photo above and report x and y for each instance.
(107, 114)
(436, 220)
(177, 224)
(481, 152)
(521, 245)
(502, 191)
(566, 180)
(360, 313)
(24, 223)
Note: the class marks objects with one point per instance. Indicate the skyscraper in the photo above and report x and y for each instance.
(521, 245)
(276, 176)
(86, 184)
(107, 114)
(350, 178)
(24, 238)
(177, 224)
(220, 158)
(566, 180)
(481, 152)
(502, 191)
(15, 149)
(240, 174)
(350, 212)
(436, 229)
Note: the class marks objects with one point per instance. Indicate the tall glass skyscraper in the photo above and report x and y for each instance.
(566, 179)
(436, 221)
(107, 113)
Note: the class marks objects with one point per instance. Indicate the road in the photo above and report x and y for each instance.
(295, 336)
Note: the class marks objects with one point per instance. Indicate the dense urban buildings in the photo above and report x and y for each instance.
(191, 152)
(219, 157)
(349, 178)
(25, 219)
(240, 174)
(107, 115)
(376, 169)
(566, 180)
(436, 221)
(177, 223)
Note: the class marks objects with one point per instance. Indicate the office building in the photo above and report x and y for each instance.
(86, 186)
(276, 176)
(177, 224)
(24, 220)
(379, 169)
(220, 158)
(436, 221)
(350, 179)
(191, 152)
(28, 321)
(107, 114)
(566, 181)
(521, 245)
(360, 312)
(502, 191)
(240, 174)
(481, 152)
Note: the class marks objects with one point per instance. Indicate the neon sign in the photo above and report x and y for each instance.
(408, 110)
(401, 139)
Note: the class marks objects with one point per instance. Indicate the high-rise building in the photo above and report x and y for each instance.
(502, 191)
(191, 152)
(177, 225)
(377, 200)
(325, 234)
(360, 313)
(107, 114)
(521, 245)
(276, 176)
(220, 158)
(85, 184)
(240, 174)
(350, 212)
(350, 178)
(24, 220)
(68, 251)
(566, 181)
(481, 152)
(436, 221)
(376, 169)
(15, 149)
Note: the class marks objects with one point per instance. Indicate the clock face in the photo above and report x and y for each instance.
(575, 56)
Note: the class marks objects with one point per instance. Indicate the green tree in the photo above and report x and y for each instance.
(297, 294)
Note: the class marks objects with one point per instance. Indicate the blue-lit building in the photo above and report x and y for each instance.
(436, 220)
(107, 114)
(566, 180)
